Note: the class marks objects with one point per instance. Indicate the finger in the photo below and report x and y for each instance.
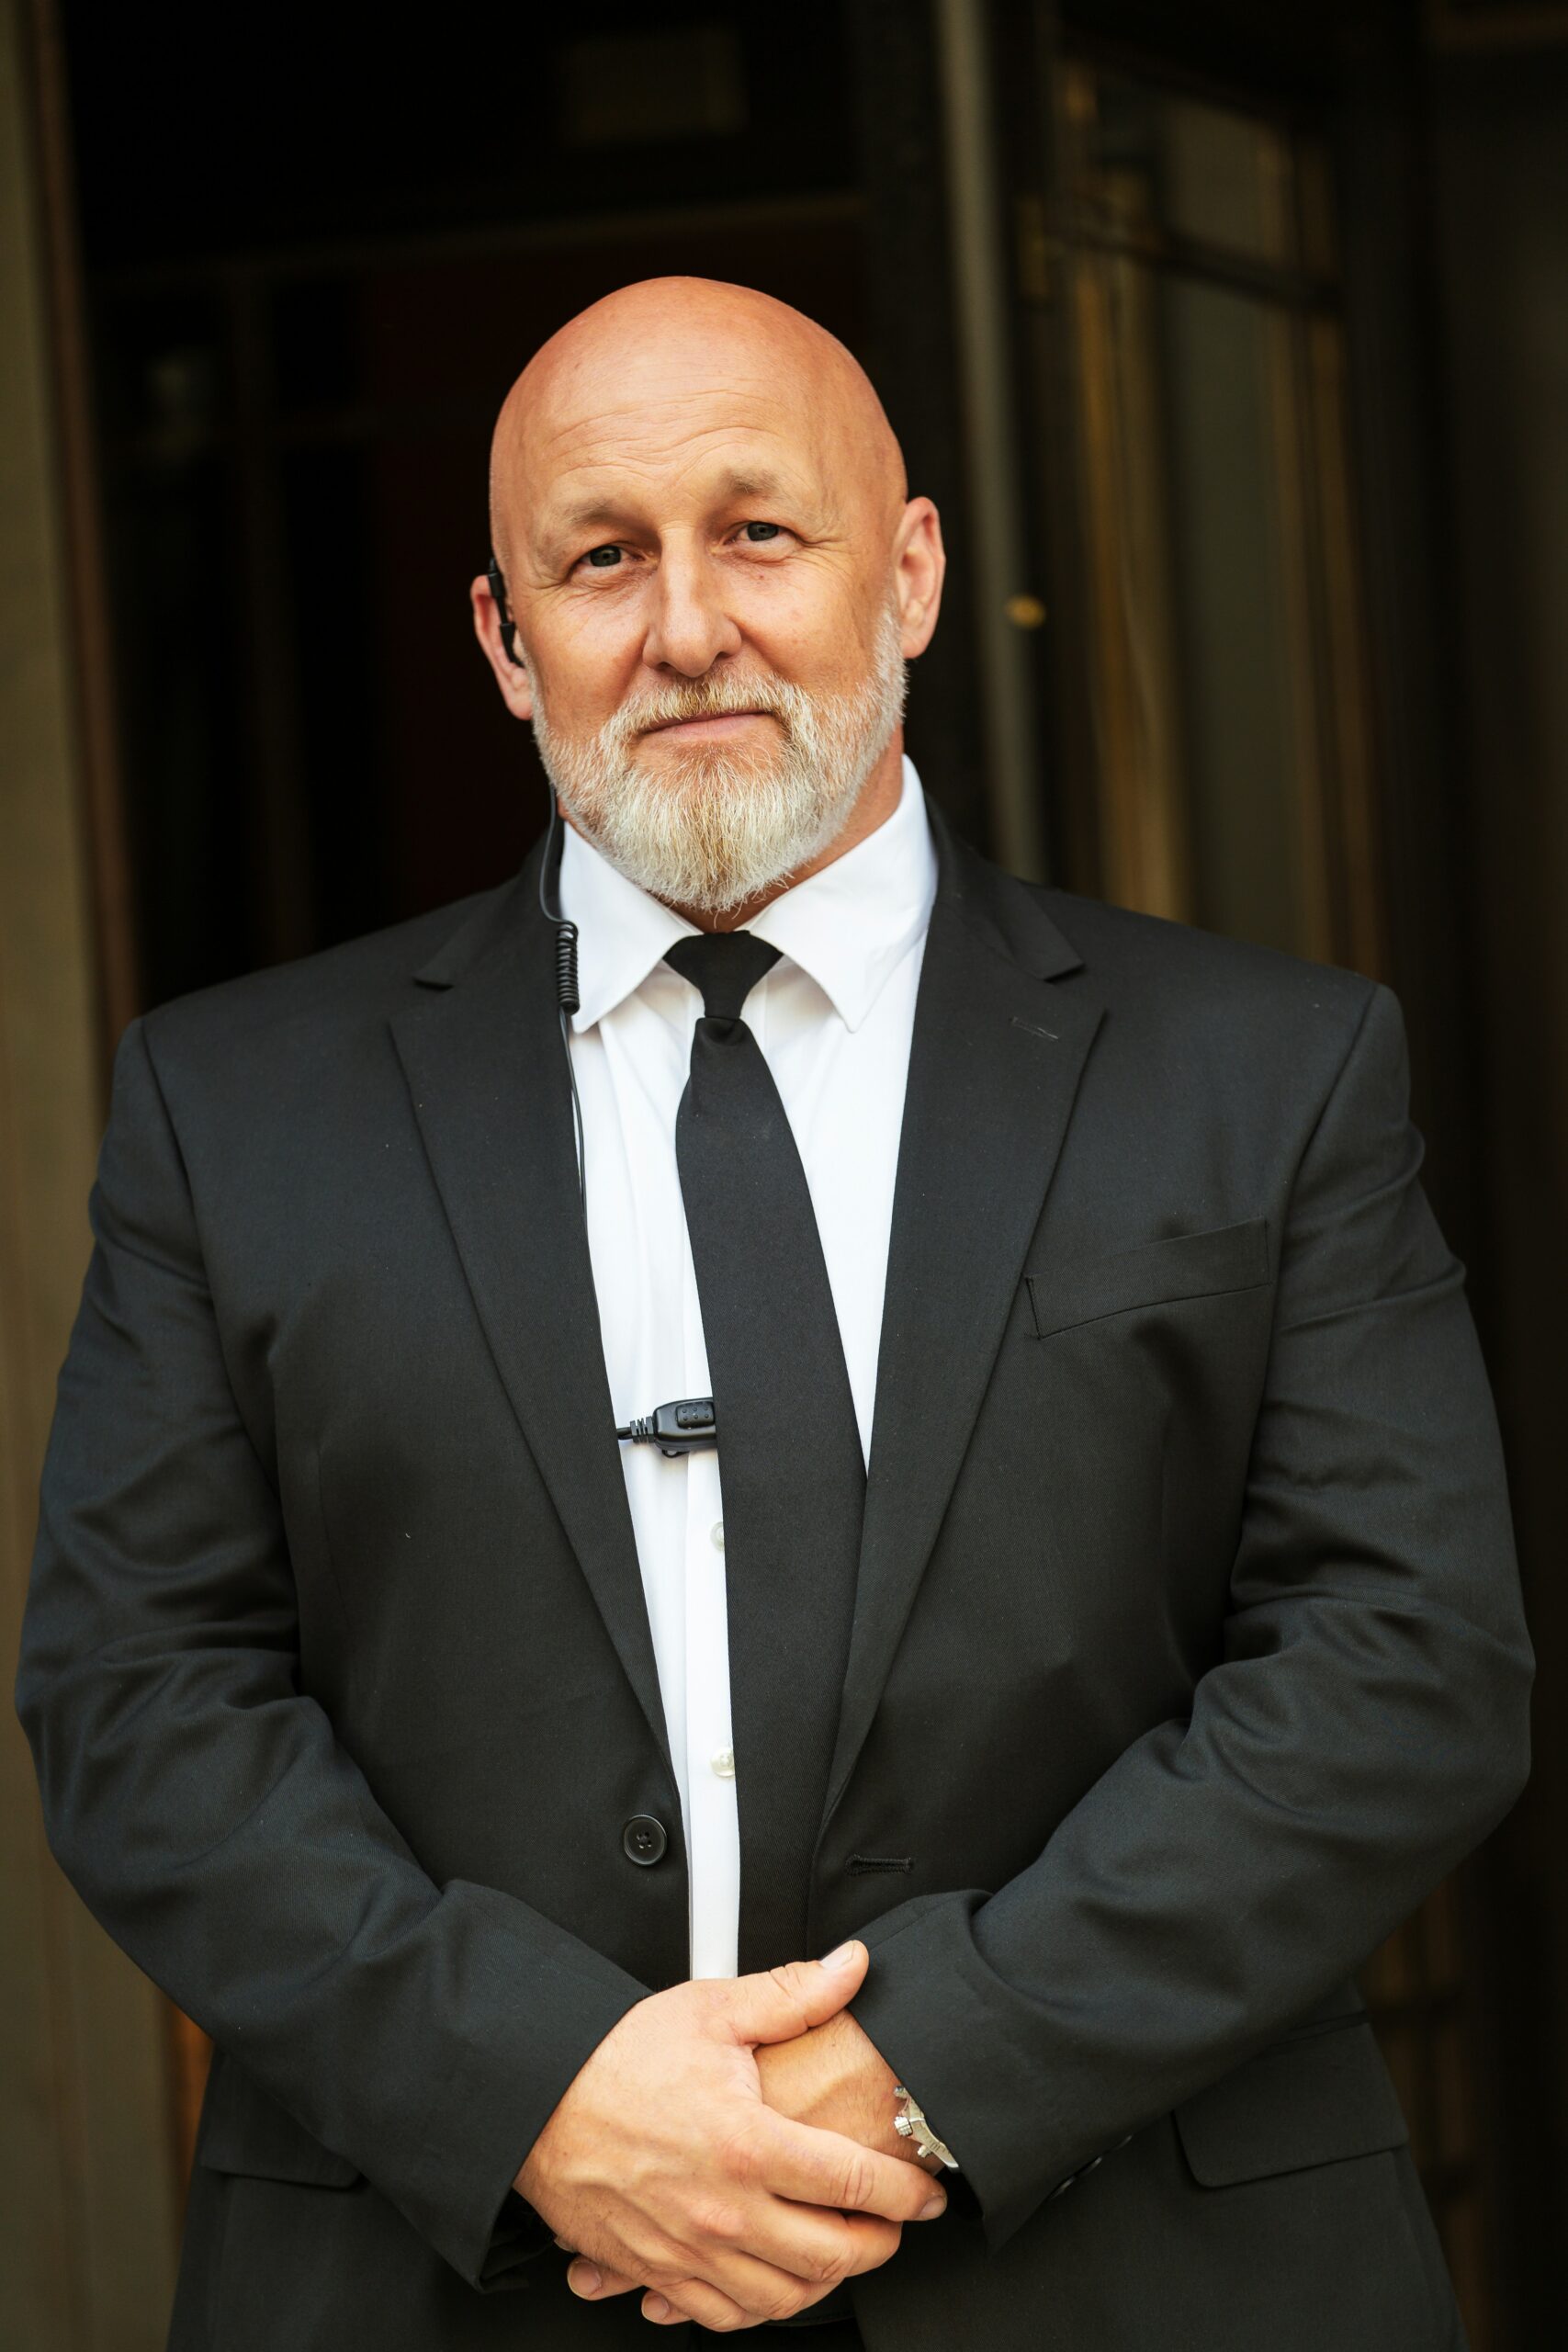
(776, 2291)
(814, 2166)
(872, 2242)
(776, 2253)
(776, 2285)
(693, 2298)
(687, 2298)
(757, 2289)
(594, 2281)
(777, 2004)
(809, 2244)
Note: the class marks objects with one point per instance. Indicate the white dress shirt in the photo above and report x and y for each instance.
(834, 1019)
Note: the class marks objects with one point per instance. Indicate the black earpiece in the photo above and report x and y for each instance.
(508, 626)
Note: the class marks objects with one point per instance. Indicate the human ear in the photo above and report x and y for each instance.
(513, 677)
(919, 562)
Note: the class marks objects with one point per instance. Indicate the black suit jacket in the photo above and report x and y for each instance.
(1186, 1656)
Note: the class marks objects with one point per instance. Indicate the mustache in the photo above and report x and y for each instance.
(718, 697)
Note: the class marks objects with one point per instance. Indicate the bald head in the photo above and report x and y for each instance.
(716, 578)
(658, 372)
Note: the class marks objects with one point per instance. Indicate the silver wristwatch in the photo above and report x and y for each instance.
(911, 2124)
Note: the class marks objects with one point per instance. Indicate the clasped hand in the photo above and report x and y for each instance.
(729, 2148)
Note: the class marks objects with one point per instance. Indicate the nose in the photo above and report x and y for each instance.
(688, 627)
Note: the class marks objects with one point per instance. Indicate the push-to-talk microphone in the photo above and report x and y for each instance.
(676, 1429)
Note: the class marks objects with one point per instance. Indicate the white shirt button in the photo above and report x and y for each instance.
(724, 1763)
(717, 1534)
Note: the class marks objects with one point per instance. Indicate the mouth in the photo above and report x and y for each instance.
(717, 725)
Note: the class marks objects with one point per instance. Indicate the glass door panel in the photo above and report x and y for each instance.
(1226, 704)
(1219, 688)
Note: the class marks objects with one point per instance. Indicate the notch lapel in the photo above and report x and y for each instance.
(998, 1051)
(481, 1051)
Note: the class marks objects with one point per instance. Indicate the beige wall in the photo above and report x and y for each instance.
(87, 2224)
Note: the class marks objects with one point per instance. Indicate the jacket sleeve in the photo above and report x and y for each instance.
(198, 1798)
(1365, 1726)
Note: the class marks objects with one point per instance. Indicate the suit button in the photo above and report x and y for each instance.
(643, 1840)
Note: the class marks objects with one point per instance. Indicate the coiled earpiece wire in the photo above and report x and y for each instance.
(568, 996)
(686, 1423)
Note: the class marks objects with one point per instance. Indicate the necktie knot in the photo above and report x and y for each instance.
(726, 966)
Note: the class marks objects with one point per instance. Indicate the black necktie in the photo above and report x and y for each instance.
(789, 1452)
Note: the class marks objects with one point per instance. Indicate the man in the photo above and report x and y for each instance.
(1098, 1610)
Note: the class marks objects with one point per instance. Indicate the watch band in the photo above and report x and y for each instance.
(911, 2124)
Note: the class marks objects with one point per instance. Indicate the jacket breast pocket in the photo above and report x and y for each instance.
(1313, 2098)
(246, 2133)
(1185, 1265)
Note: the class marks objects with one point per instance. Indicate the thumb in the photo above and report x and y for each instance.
(779, 2003)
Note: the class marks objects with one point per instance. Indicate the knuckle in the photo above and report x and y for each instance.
(666, 2264)
(710, 2309)
(826, 2265)
(711, 1998)
(857, 2180)
(665, 2275)
(716, 2217)
(784, 1977)
(881, 2247)
(740, 2154)
(783, 2302)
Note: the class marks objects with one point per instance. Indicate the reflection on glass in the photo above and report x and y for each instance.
(1226, 690)
(1152, 158)
(1237, 554)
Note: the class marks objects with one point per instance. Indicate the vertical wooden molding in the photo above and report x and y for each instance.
(87, 2186)
(86, 583)
(1004, 567)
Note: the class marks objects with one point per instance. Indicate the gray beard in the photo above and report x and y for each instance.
(716, 827)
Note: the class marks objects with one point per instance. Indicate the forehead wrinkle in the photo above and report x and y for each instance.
(559, 513)
(734, 481)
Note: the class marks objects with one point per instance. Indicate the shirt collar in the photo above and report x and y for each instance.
(849, 926)
(622, 934)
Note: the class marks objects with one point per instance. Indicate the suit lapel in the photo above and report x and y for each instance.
(481, 1051)
(998, 1047)
(998, 1051)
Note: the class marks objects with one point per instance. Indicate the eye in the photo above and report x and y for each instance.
(601, 559)
(757, 532)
